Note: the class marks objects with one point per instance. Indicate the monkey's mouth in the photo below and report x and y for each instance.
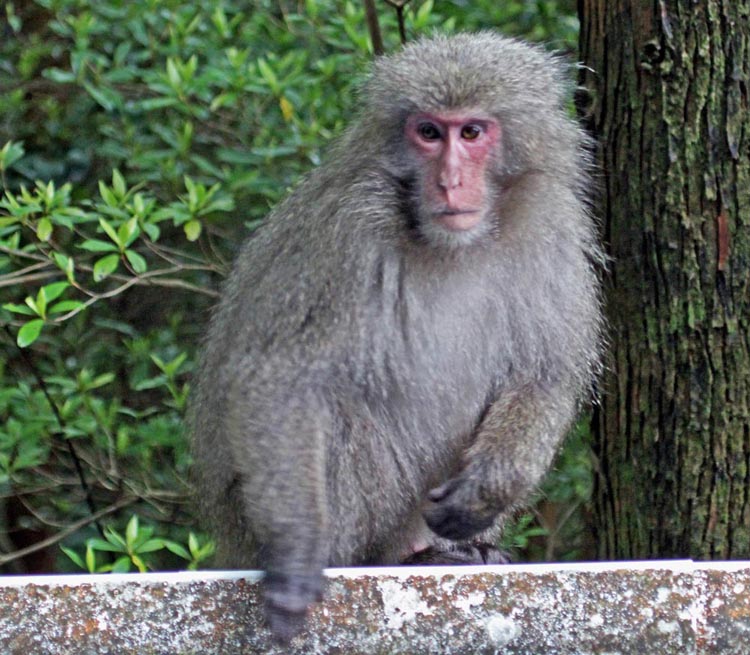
(458, 220)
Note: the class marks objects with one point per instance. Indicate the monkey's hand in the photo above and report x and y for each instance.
(288, 597)
(457, 511)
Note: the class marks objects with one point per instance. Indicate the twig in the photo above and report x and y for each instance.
(22, 253)
(14, 279)
(61, 428)
(55, 538)
(371, 14)
(399, 5)
(151, 278)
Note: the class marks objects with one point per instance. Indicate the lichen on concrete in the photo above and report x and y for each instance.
(659, 608)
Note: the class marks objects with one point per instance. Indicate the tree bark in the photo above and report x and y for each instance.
(669, 105)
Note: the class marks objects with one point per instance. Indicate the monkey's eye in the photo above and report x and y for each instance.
(428, 131)
(471, 132)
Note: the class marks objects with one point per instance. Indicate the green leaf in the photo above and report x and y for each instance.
(73, 555)
(90, 559)
(311, 7)
(118, 184)
(29, 454)
(107, 98)
(59, 76)
(139, 563)
(5, 221)
(105, 266)
(62, 217)
(208, 549)
(136, 261)
(114, 538)
(128, 232)
(222, 100)
(40, 304)
(49, 193)
(194, 197)
(107, 227)
(29, 333)
(97, 245)
(106, 193)
(171, 368)
(100, 381)
(150, 383)
(219, 19)
(122, 565)
(152, 230)
(65, 264)
(139, 206)
(268, 75)
(44, 229)
(193, 229)
(152, 545)
(65, 306)
(218, 205)
(156, 103)
(10, 153)
(62, 261)
(423, 14)
(106, 546)
(173, 74)
(131, 531)
(175, 364)
(19, 309)
(34, 305)
(54, 291)
(177, 549)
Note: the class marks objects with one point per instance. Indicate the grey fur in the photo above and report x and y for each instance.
(359, 358)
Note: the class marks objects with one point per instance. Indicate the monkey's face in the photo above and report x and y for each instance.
(452, 152)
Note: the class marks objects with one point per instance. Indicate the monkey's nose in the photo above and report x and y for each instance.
(449, 180)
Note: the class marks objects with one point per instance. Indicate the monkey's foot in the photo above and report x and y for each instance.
(288, 597)
(475, 552)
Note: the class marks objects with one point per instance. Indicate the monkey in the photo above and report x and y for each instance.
(401, 346)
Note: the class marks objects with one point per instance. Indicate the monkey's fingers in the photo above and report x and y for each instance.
(456, 512)
(287, 600)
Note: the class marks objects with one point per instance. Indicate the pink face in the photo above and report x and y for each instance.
(455, 149)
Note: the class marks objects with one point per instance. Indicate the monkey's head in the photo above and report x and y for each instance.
(462, 118)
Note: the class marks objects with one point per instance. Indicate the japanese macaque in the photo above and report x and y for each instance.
(401, 347)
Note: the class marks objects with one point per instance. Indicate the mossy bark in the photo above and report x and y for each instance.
(669, 86)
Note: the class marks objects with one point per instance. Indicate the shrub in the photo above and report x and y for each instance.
(138, 142)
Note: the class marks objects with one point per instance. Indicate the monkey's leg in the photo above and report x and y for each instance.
(512, 450)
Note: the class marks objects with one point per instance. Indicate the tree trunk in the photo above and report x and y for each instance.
(669, 89)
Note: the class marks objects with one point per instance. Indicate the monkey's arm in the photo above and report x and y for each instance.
(513, 448)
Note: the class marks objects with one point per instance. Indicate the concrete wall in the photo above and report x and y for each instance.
(646, 608)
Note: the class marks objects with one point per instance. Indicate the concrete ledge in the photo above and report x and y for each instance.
(655, 608)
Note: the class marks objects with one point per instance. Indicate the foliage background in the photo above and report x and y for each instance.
(139, 141)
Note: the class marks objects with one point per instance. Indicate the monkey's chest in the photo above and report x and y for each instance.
(429, 386)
